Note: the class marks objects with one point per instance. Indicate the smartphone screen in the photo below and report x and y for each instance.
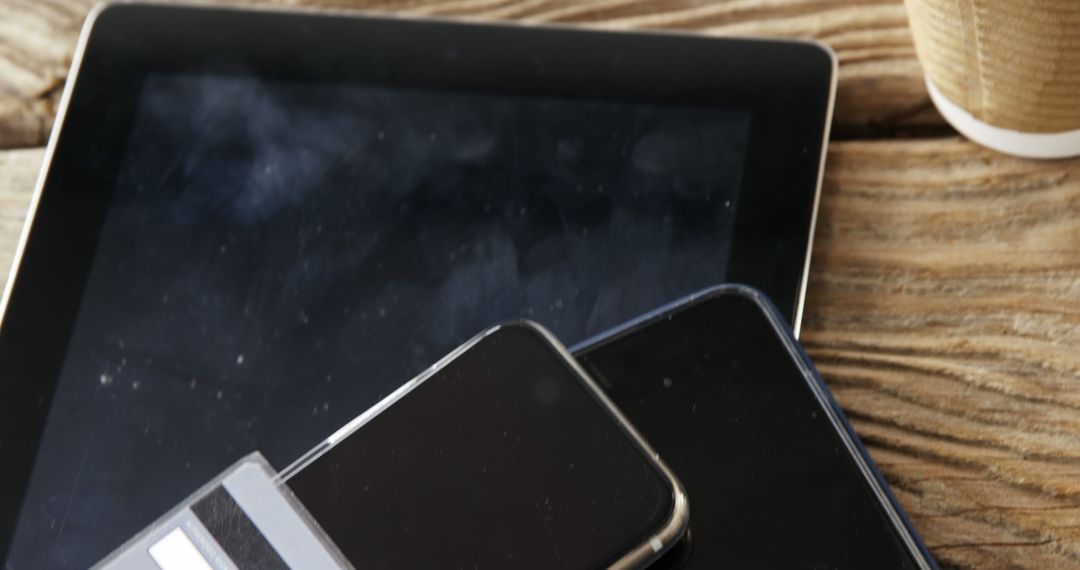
(504, 454)
(720, 396)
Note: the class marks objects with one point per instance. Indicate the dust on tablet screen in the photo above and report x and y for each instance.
(279, 256)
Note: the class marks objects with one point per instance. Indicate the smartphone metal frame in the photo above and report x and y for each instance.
(854, 446)
(658, 542)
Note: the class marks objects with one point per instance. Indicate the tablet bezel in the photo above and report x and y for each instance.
(788, 86)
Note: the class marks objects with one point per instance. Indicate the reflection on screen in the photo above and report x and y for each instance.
(278, 257)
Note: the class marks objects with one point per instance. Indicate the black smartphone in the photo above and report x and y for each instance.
(723, 391)
(503, 454)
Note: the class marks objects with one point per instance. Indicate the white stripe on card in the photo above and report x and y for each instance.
(176, 552)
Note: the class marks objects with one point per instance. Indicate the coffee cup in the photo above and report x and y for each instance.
(1005, 73)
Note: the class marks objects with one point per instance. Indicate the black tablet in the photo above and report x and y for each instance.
(254, 225)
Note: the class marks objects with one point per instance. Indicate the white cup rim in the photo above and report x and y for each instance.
(1028, 145)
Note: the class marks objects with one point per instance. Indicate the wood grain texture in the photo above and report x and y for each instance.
(18, 174)
(37, 38)
(944, 313)
(880, 88)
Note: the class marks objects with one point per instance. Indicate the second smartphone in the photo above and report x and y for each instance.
(503, 454)
(722, 390)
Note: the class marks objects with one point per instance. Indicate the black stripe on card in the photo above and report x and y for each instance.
(234, 531)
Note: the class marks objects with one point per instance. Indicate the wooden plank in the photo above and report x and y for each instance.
(880, 86)
(18, 174)
(944, 312)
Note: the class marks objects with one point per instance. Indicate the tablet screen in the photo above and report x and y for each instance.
(279, 256)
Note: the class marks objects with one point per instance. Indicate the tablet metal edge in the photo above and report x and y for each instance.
(800, 299)
(35, 198)
(50, 149)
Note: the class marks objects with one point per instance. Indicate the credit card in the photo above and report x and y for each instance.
(242, 519)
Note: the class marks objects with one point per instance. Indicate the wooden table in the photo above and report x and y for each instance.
(944, 299)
